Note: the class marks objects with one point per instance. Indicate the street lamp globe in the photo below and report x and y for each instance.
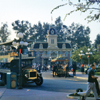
(49, 58)
(20, 35)
(88, 49)
(14, 43)
(25, 43)
(81, 51)
(21, 43)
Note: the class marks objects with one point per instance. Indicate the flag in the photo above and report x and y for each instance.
(51, 18)
(19, 51)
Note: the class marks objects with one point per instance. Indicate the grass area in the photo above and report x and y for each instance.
(78, 70)
(97, 73)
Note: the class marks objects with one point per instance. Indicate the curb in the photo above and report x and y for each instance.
(83, 78)
(2, 92)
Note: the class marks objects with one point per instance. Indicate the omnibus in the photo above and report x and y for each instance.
(9, 62)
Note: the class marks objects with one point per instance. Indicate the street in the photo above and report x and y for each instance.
(58, 84)
(53, 88)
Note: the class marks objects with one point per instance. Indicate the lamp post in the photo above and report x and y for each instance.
(88, 53)
(81, 54)
(20, 45)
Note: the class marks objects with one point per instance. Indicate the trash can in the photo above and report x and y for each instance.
(11, 80)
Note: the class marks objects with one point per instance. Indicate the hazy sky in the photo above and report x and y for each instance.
(39, 10)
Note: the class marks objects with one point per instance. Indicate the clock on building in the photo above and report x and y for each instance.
(52, 31)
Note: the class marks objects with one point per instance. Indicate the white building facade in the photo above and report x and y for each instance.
(45, 51)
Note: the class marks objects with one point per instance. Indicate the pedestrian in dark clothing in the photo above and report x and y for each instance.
(82, 69)
(67, 70)
(91, 84)
(39, 68)
(74, 68)
(45, 68)
(54, 69)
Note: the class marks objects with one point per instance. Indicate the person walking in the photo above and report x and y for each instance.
(74, 68)
(91, 84)
(54, 69)
(67, 71)
(82, 69)
(39, 68)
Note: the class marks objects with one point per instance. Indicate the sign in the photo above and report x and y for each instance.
(94, 1)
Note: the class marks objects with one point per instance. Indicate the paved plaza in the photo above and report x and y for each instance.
(33, 93)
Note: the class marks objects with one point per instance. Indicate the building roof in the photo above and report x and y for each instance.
(67, 45)
(36, 45)
(45, 45)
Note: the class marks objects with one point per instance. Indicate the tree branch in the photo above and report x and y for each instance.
(58, 7)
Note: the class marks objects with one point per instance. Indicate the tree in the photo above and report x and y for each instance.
(78, 35)
(40, 31)
(92, 7)
(61, 29)
(75, 55)
(97, 57)
(24, 27)
(97, 40)
(4, 33)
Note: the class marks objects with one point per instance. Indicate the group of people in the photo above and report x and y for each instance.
(83, 68)
(39, 67)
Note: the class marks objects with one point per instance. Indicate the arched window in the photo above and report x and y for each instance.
(52, 41)
(63, 46)
(41, 46)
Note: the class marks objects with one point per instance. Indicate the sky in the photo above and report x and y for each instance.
(40, 10)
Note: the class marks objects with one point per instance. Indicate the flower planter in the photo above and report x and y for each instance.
(79, 97)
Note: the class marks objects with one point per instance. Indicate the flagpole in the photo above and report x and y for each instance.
(51, 19)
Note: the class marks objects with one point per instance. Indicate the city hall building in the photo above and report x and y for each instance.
(45, 51)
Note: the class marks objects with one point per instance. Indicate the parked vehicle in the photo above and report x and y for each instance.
(60, 64)
(10, 63)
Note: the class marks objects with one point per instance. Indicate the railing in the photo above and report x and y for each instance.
(5, 52)
(4, 70)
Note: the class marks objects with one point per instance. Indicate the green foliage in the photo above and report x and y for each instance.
(97, 57)
(97, 73)
(40, 31)
(79, 90)
(4, 33)
(75, 55)
(78, 35)
(24, 27)
(97, 40)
